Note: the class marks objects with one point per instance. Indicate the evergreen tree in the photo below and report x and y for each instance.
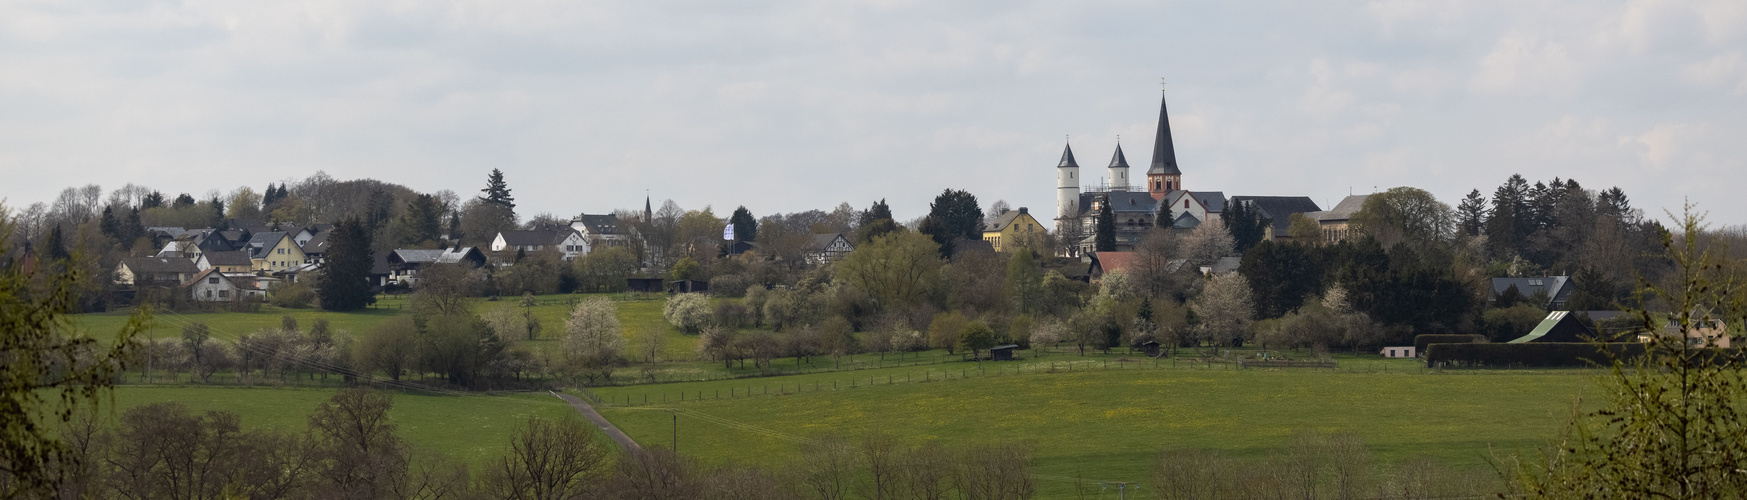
(1507, 225)
(745, 226)
(1164, 218)
(878, 211)
(270, 197)
(109, 225)
(183, 200)
(55, 245)
(153, 200)
(345, 283)
(132, 228)
(954, 215)
(421, 221)
(876, 221)
(1246, 224)
(1472, 212)
(496, 191)
(1105, 234)
(217, 213)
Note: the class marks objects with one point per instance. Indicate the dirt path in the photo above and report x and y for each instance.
(611, 430)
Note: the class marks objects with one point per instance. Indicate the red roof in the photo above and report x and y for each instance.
(1115, 261)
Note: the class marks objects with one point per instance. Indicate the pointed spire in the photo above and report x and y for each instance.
(1118, 161)
(1164, 153)
(1068, 158)
(648, 215)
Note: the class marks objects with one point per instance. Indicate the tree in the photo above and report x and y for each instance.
(359, 455)
(1281, 275)
(1507, 225)
(1024, 281)
(443, 289)
(345, 282)
(1303, 229)
(1405, 214)
(481, 220)
(1225, 308)
(944, 331)
(897, 269)
(593, 344)
(745, 226)
(497, 191)
(1246, 224)
(976, 337)
(458, 346)
(245, 205)
(1164, 219)
(687, 311)
(1205, 245)
(1471, 214)
(49, 373)
(391, 347)
(1105, 228)
(549, 460)
(954, 215)
(1672, 423)
(420, 223)
(876, 221)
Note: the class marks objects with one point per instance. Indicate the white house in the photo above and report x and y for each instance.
(600, 230)
(1398, 352)
(567, 242)
(823, 248)
(213, 286)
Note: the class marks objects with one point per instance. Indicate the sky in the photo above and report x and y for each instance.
(790, 106)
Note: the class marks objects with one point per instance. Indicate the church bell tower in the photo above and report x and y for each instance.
(1163, 177)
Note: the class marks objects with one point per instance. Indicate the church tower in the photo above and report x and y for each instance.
(1163, 177)
(1118, 171)
(1067, 182)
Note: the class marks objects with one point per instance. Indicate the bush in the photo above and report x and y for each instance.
(733, 314)
(1547, 354)
(294, 296)
(687, 311)
(1421, 341)
(730, 285)
(1504, 325)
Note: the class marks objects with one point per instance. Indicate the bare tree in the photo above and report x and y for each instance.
(827, 467)
(549, 460)
(360, 457)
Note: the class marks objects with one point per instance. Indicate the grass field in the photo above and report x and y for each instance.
(1109, 425)
(471, 429)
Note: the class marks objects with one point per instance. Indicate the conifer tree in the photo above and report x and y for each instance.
(1473, 213)
(496, 191)
(745, 226)
(1164, 218)
(1106, 228)
(345, 283)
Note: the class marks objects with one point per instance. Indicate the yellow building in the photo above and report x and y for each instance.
(1012, 230)
(273, 252)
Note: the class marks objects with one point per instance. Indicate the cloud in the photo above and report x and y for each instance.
(1523, 64)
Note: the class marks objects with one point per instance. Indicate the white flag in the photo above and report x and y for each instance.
(728, 234)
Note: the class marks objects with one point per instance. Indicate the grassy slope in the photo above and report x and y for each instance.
(1109, 425)
(473, 429)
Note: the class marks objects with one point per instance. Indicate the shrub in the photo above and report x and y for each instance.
(730, 285)
(1547, 354)
(294, 296)
(687, 311)
(733, 314)
(1421, 341)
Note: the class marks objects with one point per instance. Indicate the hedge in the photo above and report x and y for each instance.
(1534, 354)
(1421, 341)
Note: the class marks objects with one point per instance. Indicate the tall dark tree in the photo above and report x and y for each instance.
(152, 200)
(217, 212)
(1246, 224)
(878, 211)
(345, 282)
(1508, 224)
(270, 197)
(1281, 275)
(876, 221)
(1472, 213)
(1104, 234)
(132, 227)
(183, 200)
(954, 215)
(109, 225)
(745, 226)
(55, 245)
(421, 221)
(496, 191)
(1164, 218)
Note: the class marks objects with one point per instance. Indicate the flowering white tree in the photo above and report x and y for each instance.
(1226, 308)
(687, 311)
(594, 342)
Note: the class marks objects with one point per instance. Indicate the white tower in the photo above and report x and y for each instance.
(1118, 171)
(1067, 182)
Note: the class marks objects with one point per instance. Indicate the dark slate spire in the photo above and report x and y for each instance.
(1118, 161)
(1068, 158)
(1164, 153)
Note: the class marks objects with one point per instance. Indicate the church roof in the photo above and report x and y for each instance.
(1280, 209)
(1213, 200)
(1068, 158)
(1118, 161)
(1164, 152)
(1342, 211)
(1121, 202)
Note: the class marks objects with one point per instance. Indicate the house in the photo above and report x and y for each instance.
(1559, 326)
(1334, 222)
(1107, 262)
(214, 286)
(315, 248)
(1703, 332)
(272, 252)
(825, 248)
(1012, 230)
(233, 262)
(186, 249)
(405, 265)
(141, 272)
(1557, 289)
(1397, 352)
(567, 242)
(1201, 205)
(1278, 210)
(1222, 266)
(600, 230)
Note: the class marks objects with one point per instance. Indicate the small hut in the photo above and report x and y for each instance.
(647, 285)
(688, 286)
(1002, 352)
(1150, 348)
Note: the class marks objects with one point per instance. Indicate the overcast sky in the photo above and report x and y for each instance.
(801, 105)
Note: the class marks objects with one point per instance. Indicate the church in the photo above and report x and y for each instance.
(1136, 206)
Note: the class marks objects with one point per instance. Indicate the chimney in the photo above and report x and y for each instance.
(1023, 210)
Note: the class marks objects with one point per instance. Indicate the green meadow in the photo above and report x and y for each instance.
(1110, 424)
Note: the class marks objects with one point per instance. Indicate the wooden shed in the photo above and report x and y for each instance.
(1002, 352)
(647, 285)
(1150, 348)
(688, 286)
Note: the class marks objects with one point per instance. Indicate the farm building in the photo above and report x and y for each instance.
(1398, 352)
(1560, 326)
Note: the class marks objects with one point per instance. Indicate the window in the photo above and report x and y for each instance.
(212, 280)
(224, 294)
(281, 251)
